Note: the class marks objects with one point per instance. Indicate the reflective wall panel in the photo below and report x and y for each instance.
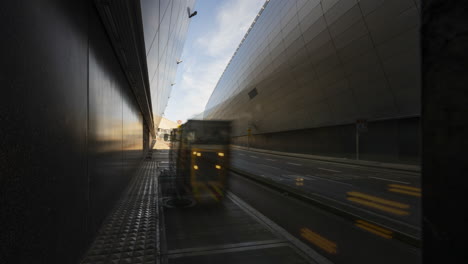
(71, 132)
(115, 126)
(165, 25)
(317, 64)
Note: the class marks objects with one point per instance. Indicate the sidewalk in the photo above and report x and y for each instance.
(129, 233)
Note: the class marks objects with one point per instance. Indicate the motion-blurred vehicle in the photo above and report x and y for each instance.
(200, 158)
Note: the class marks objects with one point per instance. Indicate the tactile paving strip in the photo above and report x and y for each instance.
(129, 233)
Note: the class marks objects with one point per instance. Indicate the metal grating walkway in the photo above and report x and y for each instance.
(129, 233)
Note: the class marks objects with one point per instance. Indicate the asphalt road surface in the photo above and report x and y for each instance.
(337, 239)
(389, 198)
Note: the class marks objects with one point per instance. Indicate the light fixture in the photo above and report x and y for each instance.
(193, 14)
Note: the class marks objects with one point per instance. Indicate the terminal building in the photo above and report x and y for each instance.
(337, 78)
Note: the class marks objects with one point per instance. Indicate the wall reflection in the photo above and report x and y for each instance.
(115, 129)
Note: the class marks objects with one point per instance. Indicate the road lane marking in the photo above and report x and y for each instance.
(378, 203)
(270, 159)
(277, 230)
(270, 166)
(383, 179)
(328, 170)
(319, 240)
(377, 230)
(295, 164)
(255, 157)
(321, 178)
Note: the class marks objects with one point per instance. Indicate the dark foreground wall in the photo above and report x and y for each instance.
(395, 140)
(445, 129)
(70, 131)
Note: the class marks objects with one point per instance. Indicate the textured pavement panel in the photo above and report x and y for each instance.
(129, 233)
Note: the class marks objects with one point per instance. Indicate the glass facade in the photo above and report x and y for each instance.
(321, 64)
(165, 25)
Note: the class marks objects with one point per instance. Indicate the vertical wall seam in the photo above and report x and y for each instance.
(88, 190)
(381, 64)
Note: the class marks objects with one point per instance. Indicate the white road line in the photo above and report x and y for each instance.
(255, 157)
(383, 179)
(270, 166)
(330, 180)
(295, 164)
(270, 159)
(328, 170)
(295, 175)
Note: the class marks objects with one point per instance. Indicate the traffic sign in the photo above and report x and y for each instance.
(361, 125)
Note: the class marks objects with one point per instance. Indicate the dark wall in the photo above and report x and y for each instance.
(70, 131)
(396, 140)
(115, 133)
(444, 122)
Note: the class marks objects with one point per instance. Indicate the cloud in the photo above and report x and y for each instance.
(233, 20)
(205, 61)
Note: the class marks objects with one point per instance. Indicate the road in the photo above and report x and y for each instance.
(335, 238)
(221, 232)
(389, 198)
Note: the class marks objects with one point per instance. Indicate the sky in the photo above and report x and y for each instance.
(213, 36)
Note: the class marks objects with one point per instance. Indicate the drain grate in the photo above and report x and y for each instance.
(183, 202)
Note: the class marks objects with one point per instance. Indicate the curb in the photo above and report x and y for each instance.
(375, 164)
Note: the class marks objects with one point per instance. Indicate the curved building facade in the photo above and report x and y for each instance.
(307, 71)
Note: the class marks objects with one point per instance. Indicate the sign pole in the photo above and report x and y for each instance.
(249, 133)
(357, 143)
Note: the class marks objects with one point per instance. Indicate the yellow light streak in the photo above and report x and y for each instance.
(218, 167)
(378, 206)
(319, 240)
(378, 200)
(377, 230)
(194, 153)
(209, 191)
(214, 185)
(409, 188)
(195, 167)
(198, 154)
(220, 154)
(374, 231)
(417, 194)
